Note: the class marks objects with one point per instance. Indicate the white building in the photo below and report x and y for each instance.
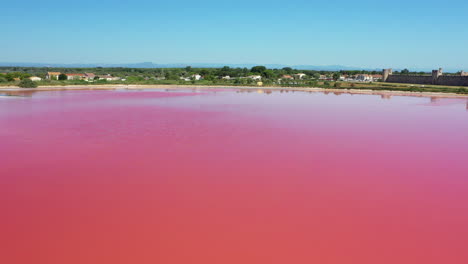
(196, 77)
(300, 76)
(89, 76)
(52, 75)
(75, 76)
(256, 77)
(35, 78)
(108, 78)
(364, 78)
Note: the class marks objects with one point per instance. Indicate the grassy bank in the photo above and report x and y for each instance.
(377, 86)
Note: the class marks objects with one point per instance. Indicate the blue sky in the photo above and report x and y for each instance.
(361, 33)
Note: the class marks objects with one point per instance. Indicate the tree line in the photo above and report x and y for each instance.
(170, 73)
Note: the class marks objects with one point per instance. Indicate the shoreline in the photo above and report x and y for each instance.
(13, 89)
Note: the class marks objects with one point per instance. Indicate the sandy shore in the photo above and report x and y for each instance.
(11, 89)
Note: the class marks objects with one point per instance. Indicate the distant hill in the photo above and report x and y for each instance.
(200, 65)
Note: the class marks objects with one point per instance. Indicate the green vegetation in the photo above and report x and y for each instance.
(405, 71)
(462, 91)
(62, 77)
(336, 76)
(225, 76)
(11, 76)
(27, 83)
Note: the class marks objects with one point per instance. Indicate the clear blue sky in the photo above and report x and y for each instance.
(364, 33)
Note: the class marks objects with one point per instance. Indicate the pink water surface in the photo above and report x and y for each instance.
(232, 176)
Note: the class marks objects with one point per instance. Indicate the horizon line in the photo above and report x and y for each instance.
(216, 64)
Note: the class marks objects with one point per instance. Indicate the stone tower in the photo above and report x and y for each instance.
(386, 73)
(435, 75)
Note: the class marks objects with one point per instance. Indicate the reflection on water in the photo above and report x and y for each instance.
(17, 94)
(434, 100)
(232, 176)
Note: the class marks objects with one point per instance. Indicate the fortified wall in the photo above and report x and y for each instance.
(437, 78)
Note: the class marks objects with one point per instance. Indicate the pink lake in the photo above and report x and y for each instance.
(232, 176)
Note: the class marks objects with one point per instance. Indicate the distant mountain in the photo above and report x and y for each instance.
(201, 65)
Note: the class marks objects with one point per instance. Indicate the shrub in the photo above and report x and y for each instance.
(2, 79)
(462, 91)
(337, 85)
(27, 83)
(312, 83)
(62, 77)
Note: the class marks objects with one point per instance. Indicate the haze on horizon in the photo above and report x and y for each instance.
(363, 33)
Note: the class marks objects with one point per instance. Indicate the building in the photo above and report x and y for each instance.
(196, 77)
(108, 77)
(227, 77)
(347, 78)
(35, 78)
(52, 75)
(75, 76)
(299, 76)
(377, 77)
(364, 78)
(256, 77)
(289, 77)
(89, 76)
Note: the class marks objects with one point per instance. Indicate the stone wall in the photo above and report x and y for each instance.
(417, 79)
(437, 78)
(453, 80)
